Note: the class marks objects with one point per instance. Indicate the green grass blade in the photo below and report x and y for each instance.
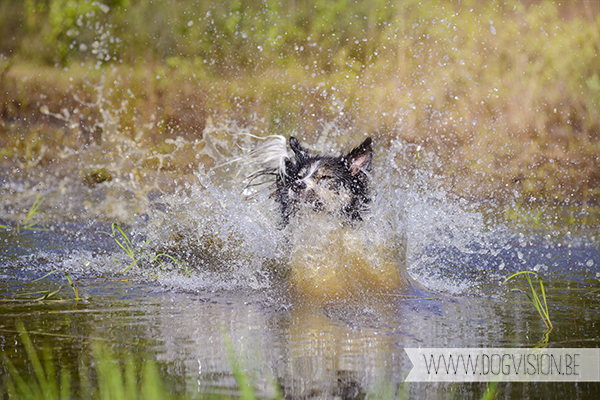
(130, 265)
(545, 303)
(33, 211)
(17, 381)
(517, 274)
(491, 391)
(534, 298)
(9, 387)
(131, 391)
(110, 380)
(50, 294)
(33, 358)
(52, 390)
(246, 391)
(73, 286)
(65, 384)
(125, 248)
(541, 308)
(125, 238)
(152, 388)
(45, 276)
(83, 370)
(184, 266)
(126, 245)
(32, 227)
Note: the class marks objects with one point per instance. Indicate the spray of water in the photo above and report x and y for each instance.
(231, 236)
(228, 235)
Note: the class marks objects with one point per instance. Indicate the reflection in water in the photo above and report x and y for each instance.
(345, 349)
(309, 351)
(342, 349)
(348, 343)
(328, 357)
(330, 261)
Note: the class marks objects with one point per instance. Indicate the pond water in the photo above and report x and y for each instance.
(221, 273)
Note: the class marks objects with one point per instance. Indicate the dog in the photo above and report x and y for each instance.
(335, 248)
(337, 186)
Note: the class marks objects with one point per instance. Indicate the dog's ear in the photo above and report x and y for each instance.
(290, 168)
(359, 159)
(300, 153)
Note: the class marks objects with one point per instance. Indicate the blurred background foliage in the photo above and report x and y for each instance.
(506, 94)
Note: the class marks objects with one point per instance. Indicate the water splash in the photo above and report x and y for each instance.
(227, 234)
(231, 237)
(227, 239)
(445, 233)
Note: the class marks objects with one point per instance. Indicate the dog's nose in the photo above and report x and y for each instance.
(298, 186)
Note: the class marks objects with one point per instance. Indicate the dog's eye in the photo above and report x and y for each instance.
(325, 177)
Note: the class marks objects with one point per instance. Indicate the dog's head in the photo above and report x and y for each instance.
(334, 185)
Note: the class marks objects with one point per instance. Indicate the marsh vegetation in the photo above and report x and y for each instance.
(505, 94)
(127, 226)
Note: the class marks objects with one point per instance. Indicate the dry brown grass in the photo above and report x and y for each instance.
(506, 96)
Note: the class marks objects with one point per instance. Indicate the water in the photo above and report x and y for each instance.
(210, 260)
(232, 278)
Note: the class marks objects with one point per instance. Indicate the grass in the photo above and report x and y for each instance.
(246, 390)
(104, 377)
(27, 223)
(46, 295)
(508, 112)
(71, 284)
(182, 265)
(45, 386)
(551, 217)
(538, 301)
(136, 253)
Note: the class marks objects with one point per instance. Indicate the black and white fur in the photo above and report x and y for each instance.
(337, 186)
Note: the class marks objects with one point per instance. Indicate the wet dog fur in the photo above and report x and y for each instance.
(337, 186)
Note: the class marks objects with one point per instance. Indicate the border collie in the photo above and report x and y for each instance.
(319, 183)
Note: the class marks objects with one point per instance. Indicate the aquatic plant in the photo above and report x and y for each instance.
(242, 379)
(552, 216)
(136, 253)
(45, 385)
(27, 223)
(540, 304)
(491, 392)
(246, 391)
(182, 264)
(105, 378)
(48, 295)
